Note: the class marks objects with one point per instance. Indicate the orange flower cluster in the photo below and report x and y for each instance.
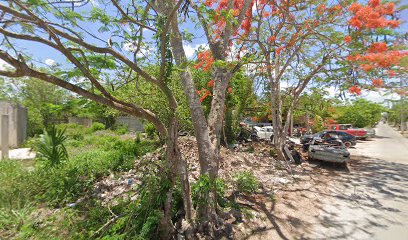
(355, 90)
(205, 60)
(279, 50)
(373, 15)
(378, 60)
(210, 83)
(321, 8)
(347, 39)
(377, 82)
(378, 47)
(271, 39)
(220, 21)
(378, 56)
(336, 9)
(204, 94)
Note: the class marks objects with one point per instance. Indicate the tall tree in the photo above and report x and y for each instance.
(97, 63)
(219, 26)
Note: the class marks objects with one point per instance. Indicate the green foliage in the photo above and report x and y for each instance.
(74, 131)
(121, 129)
(318, 124)
(150, 130)
(17, 185)
(246, 182)
(361, 113)
(273, 152)
(205, 185)
(97, 126)
(398, 110)
(51, 147)
(141, 217)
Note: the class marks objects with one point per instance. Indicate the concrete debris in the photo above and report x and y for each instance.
(254, 157)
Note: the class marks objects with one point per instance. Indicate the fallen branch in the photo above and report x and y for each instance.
(105, 226)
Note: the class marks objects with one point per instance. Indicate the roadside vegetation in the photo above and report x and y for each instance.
(35, 200)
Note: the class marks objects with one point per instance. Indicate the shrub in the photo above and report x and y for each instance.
(97, 126)
(141, 219)
(246, 182)
(201, 188)
(121, 129)
(273, 152)
(17, 185)
(51, 147)
(150, 130)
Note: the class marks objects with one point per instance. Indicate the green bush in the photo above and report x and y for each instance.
(142, 217)
(75, 131)
(246, 182)
(201, 188)
(150, 130)
(51, 147)
(121, 129)
(17, 185)
(96, 126)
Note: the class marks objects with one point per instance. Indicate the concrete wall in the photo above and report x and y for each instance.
(87, 122)
(133, 124)
(17, 122)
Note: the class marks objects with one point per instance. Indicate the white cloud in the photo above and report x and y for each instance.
(379, 96)
(129, 46)
(143, 51)
(190, 50)
(50, 62)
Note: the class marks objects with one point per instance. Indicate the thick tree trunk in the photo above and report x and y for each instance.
(207, 152)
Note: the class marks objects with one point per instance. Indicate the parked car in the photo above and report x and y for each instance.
(370, 132)
(264, 133)
(328, 150)
(347, 138)
(359, 133)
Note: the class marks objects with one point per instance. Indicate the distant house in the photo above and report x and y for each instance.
(17, 122)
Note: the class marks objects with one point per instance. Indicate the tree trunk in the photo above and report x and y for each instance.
(207, 152)
(177, 168)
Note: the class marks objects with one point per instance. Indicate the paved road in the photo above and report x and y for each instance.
(370, 201)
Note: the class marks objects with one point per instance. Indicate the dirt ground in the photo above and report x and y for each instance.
(368, 199)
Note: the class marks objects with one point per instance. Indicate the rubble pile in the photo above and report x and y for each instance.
(254, 157)
(112, 189)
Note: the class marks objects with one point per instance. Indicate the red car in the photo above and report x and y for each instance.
(359, 133)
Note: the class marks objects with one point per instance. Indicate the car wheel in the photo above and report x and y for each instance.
(347, 144)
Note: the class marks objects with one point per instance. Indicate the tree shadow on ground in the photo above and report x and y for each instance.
(350, 203)
(366, 195)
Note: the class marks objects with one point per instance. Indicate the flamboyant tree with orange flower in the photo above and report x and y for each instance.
(305, 43)
(376, 58)
(293, 42)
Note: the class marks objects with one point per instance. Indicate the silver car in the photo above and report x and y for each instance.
(330, 151)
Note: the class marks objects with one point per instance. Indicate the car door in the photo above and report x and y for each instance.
(261, 133)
